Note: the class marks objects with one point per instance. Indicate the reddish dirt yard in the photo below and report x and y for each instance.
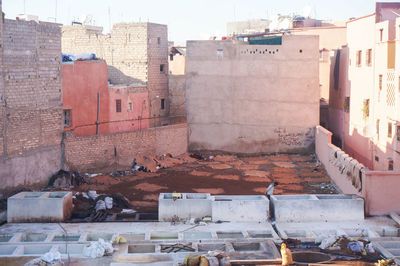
(223, 174)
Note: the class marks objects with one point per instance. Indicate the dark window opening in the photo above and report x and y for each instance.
(380, 82)
(346, 104)
(390, 165)
(161, 68)
(377, 158)
(67, 118)
(369, 57)
(389, 130)
(358, 59)
(381, 34)
(171, 57)
(398, 132)
(118, 106)
(158, 40)
(162, 104)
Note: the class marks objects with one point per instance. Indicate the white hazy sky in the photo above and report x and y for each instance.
(186, 20)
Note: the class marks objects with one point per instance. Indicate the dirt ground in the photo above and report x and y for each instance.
(222, 174)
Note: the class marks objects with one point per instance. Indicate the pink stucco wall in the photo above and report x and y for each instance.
(380, 189)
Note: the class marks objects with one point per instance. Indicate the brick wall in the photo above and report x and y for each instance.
(109, 152)
(177, 96)
(31, 104)
(133, 52)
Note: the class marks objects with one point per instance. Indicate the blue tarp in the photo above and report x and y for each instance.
(76, 57)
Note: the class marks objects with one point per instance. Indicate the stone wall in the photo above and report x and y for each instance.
(117, 151)
(31, 104)
(253, 98)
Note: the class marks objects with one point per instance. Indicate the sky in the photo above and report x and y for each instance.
(186, 19)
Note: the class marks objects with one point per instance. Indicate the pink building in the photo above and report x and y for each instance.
(365, 107)
(90, 103)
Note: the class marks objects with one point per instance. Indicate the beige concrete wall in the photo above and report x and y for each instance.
(177, 66)
(177, 95)
(253, 98)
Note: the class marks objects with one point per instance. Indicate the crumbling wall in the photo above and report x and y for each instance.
(253, 98)
(31, 102)
(119, 149)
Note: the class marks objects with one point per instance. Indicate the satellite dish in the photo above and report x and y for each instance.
(307, 11)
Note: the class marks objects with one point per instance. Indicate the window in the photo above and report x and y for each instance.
(162, 104)
(389, 130)
(365, 109)
(162, 68)
(376, 158)
(380, 82)
(369, 57)
(398, 133)
(377, 128)
(130, 107)
(118, 106)
(158, 40)
(67, 118)
(171, 57)
(381, 34)
(358, 59)
(390, 165)
(149, 40)
(346, 104)
(220, 53)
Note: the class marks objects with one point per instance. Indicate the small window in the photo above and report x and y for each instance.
(130, 107)
(389, 130)
(390, 165)
(162, 104)
(380, 82)
(398, 133)
(149, 40)
(158, 40)
(118, 106)
(369, 57)
(220, 53)
(67, 118)
(171, 57)
(365, 109)
(358, 59)
(377, 128)
(381, 34)
(162, 68)
(376, 158)
(346, 104)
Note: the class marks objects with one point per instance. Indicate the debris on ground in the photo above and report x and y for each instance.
(98, 249)
(66, 179)
(177, 248)
(120, 240)
(212, 258)
(53, 257)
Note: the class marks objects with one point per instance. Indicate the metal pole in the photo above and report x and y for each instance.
(98, 113)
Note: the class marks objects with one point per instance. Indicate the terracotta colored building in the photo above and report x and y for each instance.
(92, 106)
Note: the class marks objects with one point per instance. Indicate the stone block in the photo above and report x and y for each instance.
(191, 205)
(240, 208)
(39, 207)
(317, 208)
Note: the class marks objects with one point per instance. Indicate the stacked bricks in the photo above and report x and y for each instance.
(119, 149)
(134, 53)
(31, 102)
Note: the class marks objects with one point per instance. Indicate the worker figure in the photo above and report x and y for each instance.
(270, 190)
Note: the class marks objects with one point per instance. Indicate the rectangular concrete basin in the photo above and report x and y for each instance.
(243, 208)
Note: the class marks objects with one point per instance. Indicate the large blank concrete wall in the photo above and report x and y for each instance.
(253, 98)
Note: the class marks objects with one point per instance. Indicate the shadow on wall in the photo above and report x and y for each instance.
(359, 147)
(116, 77)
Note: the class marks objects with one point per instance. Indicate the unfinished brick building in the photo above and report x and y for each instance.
(136, 54)
(30, 101)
